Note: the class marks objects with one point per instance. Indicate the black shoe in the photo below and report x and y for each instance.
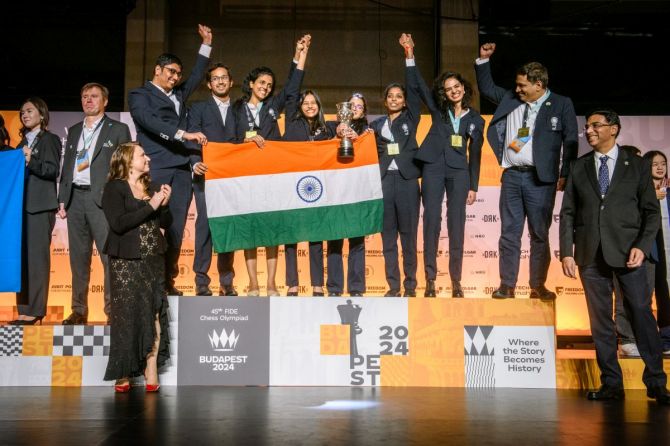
(409, 293)
(392, 293)
(75, 319)
(228, 290)
(430, 289)
(317, 293)
(334, 294)
(607, 393)
(203, 290)
(355, 294)
(456, 290)
(660, 394)
(503, 292)
(291, 293)
(172, 291)
(33, 321)
(542, 293)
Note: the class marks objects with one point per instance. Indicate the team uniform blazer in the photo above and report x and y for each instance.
(205, 117)
(112, 134)
(270, 111)
(555, 126)
(403, 129)
(627, 217)
(125, 214)
(433, 146)
(157, 122)
(40, 189)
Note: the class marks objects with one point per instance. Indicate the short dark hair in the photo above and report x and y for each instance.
(167, 59)
(43, 110)
(103, 89)
(535, 72)
(441, 97)
(217, 65)
(610, 116)
(632, 149)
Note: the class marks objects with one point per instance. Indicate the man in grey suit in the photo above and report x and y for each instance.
(609, 220)
(88, 150)
(526, 133)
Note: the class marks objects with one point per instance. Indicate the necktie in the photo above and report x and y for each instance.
(603, 175)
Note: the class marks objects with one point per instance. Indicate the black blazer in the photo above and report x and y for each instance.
(297, 127)
(42, 173)
(628, 217)
(438, 140)
(205, 117)
(270, 111)
(157, 122)
(112, 133)
(125, 214)
(555, 126)
(403, 129)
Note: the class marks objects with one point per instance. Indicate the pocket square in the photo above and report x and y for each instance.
(109, 143)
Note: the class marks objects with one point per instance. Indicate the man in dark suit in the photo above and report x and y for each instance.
(88, 150)
(609, 220)
(216, 120)
(527, 131)
(159, 111)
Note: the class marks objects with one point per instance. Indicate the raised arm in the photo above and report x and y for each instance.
(198, 73)
(413, 79)
(413, 99)
(485, 83)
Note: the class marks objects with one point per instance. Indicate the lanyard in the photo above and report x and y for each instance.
(455, 121)
(87, 141)
(388, 123)
(254, 120)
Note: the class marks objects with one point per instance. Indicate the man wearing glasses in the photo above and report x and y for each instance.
(526, 133)
(609, 220)
(216, 120)
(158, 109)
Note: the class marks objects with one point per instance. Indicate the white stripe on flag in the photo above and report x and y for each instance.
(293, 190)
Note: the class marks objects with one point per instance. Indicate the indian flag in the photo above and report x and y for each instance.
(289, 192)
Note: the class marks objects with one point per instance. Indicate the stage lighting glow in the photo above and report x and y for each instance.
(346, 405)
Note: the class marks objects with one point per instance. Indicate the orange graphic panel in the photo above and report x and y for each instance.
(335, 339)
(66, 371)
(38, 341)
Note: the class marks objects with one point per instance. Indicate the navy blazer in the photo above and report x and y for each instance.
(39, 194)
(297, 127)
(403, 128)
(555, 126)
(270, 111)
(157, 121)
(205, 117)
(627, 217)
(438, 140)
(112, 133)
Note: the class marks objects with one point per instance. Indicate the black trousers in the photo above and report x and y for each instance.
(315, 264)
(355, 266)
(36, 261)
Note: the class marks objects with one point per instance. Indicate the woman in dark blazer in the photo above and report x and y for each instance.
(256, 114)
(451, 156)
(136, 209)
(42, 150)
(396, 145)
(305, 122)
(356, 262)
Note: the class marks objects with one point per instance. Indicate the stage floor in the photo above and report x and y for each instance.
(325, 415)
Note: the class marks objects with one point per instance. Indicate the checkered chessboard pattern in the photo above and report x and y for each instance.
(11, 341)
(81, 340)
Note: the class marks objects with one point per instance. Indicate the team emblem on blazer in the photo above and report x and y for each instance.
(309, 188)
(471, 128)
(272, 113)
(554, 123)
(405, 129)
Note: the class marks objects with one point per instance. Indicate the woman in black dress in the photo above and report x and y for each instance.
(41, 149)
(136, 209)
(305, 123)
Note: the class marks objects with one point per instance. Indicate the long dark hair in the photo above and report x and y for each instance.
(319, 122)
(360, 124)
(4, 134)
(443, 103)
(43, 110)
(650, 155)
(251, 77)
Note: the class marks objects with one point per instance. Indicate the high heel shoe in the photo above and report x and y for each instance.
(122, 388)
(152, 388)
(33, 321)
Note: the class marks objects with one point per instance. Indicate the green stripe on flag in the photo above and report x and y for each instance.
(247, 231)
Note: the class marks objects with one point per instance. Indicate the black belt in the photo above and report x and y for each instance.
(81, 186)
(522, 168)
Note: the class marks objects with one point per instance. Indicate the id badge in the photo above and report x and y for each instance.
(456, 141)
(250, 134)
(523, 132)
(393, 148)
(518, 144)
(82, 165)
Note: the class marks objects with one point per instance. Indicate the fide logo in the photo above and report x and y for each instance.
(223, 342)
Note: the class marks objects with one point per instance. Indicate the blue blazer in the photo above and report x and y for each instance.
(403, 129)
(205, 117)
(157, 122)
(438, 139)
(555, 127)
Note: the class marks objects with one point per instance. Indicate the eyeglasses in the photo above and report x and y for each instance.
(357, 107)
(173, 72)
(220, 78)
(596, 126)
